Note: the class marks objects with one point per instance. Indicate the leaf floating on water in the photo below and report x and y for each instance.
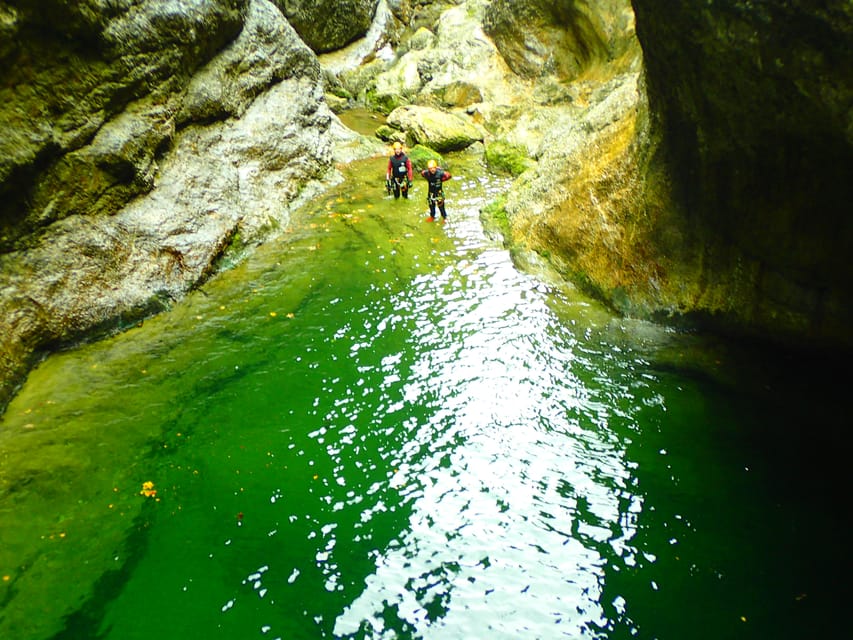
(273, 314)
(148, 489)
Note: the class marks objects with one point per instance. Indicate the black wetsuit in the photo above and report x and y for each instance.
(435, 193)
(400, 174)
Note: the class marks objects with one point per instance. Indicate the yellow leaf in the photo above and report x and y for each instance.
(148, 489)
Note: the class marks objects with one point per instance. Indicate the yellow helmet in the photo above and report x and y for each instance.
(431, 164)
(398, 146)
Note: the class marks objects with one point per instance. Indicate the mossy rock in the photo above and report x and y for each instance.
(390, 134)
(384, 103)
(441, 130)
(340, 92)
(420, 155)
(495, 221)
(336, 103)
(504, 157)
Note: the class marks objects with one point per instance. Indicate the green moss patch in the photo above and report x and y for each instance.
(504, 157)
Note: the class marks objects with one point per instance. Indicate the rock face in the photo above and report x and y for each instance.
(716, 191)
(450, 63)
(139, 141)
(554, 37)
(752, 103)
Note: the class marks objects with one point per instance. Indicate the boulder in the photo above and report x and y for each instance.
(439, 130)
(326, 25)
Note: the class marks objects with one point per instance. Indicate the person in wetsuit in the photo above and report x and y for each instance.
(435, 177)
(398, 175)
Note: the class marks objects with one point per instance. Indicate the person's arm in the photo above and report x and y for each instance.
(445, 176)
(388, 170)
(409, 168)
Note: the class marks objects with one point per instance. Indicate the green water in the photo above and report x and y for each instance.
(377, 427)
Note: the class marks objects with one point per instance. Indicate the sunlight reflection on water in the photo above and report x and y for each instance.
(496, 541)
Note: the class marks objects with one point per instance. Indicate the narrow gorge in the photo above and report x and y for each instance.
(245, 391)
(689, 167)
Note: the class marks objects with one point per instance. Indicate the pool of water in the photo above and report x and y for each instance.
(378, 427)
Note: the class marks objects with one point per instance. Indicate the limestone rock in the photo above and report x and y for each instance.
(714, 189)
(539, 38)
(453, 62)
(87, 62)
(433, 128)
(326, 25)
(138, 189)
(752, 104)
(267, 51)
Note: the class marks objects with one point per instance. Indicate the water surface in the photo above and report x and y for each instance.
(378, 427)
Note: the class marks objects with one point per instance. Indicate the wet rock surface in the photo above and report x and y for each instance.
(139, 144)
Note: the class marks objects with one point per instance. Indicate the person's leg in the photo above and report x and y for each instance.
(396, 190)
